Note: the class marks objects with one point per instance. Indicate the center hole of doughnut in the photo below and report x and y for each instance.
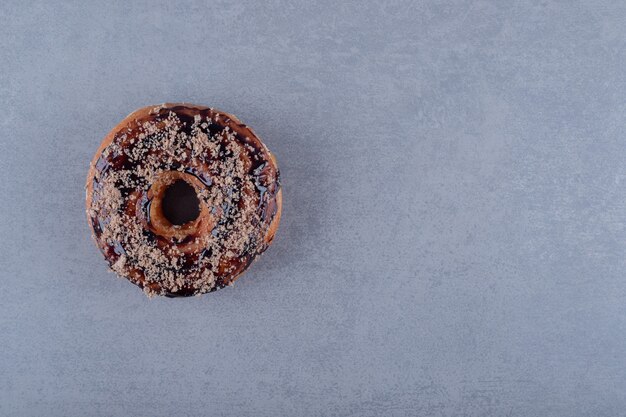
(180, 203)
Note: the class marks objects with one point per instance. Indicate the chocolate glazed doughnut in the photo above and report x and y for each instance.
(234, 182)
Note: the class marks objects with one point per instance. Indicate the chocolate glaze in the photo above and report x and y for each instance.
(262, 171)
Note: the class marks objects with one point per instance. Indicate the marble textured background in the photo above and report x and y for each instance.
(454, 231)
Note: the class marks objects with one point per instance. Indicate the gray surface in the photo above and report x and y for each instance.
(454, 225)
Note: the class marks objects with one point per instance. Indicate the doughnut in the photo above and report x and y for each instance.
(182, 198)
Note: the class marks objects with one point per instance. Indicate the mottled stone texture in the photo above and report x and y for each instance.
(454, 232)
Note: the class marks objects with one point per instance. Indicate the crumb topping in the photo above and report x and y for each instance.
(231, 177)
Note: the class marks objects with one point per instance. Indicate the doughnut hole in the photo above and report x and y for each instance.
(180, 203)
